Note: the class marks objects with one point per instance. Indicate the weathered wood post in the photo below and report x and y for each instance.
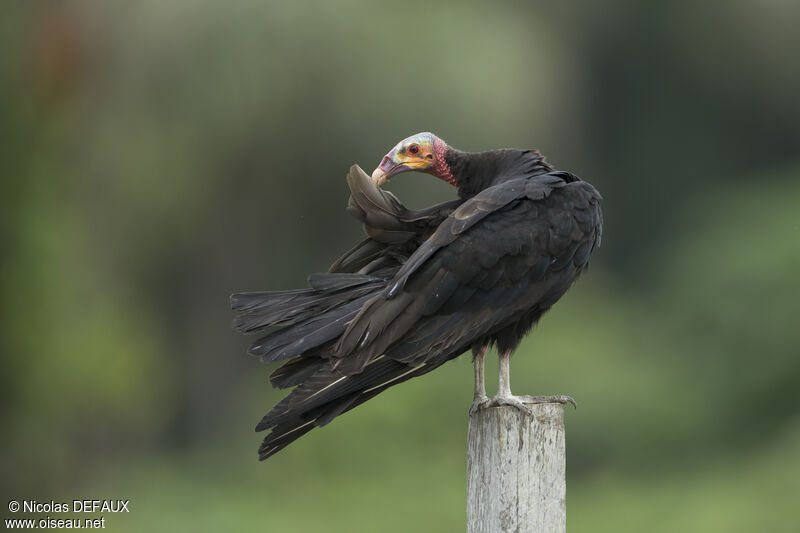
(516, 467)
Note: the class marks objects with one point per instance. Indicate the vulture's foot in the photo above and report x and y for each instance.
(559, 398)
(520, 402)
(478, 404)
(511, 401)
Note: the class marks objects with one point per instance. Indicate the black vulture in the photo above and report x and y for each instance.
(425, 286)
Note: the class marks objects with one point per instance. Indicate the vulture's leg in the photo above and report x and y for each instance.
(504, 396)
(479, 397)
(480, 383)
(504, 377)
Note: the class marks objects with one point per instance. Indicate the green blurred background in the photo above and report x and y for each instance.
(156, 156)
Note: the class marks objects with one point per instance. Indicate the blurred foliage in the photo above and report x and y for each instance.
(157, 156)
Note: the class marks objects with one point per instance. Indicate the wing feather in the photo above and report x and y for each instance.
(426, 286)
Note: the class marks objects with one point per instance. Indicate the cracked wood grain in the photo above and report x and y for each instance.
(516, 467)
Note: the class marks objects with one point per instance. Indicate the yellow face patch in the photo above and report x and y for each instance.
(415, 152)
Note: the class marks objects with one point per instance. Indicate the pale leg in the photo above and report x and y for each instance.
(479, 396)
(504, 396)
(504, 377)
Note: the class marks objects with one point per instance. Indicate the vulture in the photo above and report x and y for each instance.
(425, 285)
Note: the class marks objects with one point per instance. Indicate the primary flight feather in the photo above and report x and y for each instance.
(425, 286)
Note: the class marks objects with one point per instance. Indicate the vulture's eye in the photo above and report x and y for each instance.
(413, 149)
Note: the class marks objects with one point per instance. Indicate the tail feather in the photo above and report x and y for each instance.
(302, 422)
(268, 449)
(292, 311)
(308, 323)
(266, 309)
(292, 341)
(327, 385)
(334, 336)
(253, 301)
(260, 310)
(334, 282)
(359, 256)
(295, 372)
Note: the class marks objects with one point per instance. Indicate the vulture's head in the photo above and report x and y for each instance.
(423, 152)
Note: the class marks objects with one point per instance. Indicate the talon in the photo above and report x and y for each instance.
(511, 401)
(558, 398)
(478, 404)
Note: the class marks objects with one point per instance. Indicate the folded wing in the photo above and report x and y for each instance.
(423, 288)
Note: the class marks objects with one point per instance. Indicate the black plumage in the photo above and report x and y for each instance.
(424, 286)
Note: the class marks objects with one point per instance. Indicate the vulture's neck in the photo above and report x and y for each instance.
(473, 172)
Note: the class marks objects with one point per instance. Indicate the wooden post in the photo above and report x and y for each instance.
(516, 467)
